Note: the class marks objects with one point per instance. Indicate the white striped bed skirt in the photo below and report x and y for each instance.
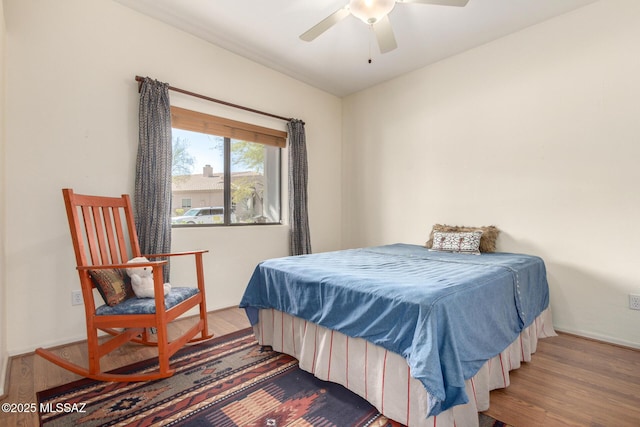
(382, 377)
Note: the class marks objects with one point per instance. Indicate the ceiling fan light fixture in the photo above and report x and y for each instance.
(371, 11)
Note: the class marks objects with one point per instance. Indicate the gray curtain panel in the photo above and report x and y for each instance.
(152, 199)
(298, 215)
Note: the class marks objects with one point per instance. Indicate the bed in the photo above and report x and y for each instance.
(422, 335)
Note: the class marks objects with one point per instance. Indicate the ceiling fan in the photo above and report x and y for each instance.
(373, 13)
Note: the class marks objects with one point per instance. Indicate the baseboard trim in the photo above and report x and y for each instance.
(599, 338)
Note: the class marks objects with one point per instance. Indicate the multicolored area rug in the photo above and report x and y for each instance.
(228, 381)
(487, 421)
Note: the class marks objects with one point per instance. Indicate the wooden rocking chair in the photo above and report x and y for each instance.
(104, 239)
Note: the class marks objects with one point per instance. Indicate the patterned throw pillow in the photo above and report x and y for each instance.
(113, 284)
(487, 242)
(464, 242)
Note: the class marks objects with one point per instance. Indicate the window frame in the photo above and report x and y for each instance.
(195, 121)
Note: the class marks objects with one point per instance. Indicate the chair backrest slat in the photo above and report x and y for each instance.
(90, 235)
(120, 236)
(112, 244)
(100, 241)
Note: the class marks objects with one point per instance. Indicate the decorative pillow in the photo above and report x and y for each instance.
(464, 242)
(113, 284)
(487, 242)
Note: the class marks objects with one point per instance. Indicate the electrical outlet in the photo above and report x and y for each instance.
(634, 302)
(76, 298)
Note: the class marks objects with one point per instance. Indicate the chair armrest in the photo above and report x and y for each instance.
(200, 251)
(197, 256)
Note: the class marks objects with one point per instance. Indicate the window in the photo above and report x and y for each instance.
(224, 172)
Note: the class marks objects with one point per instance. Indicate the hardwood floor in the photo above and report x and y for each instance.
(571, 381)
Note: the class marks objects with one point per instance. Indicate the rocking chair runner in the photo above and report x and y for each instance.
(103, 232)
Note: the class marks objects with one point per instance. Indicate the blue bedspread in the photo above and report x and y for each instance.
(445, 313)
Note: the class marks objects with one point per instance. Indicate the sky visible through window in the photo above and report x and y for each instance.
(205, 149)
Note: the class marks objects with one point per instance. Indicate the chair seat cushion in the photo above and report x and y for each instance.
(147, 305)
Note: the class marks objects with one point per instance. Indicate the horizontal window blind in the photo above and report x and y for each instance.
(205, 123)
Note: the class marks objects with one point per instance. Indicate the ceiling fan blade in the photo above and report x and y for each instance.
(459, 3)
(325, 24)
(384, 34)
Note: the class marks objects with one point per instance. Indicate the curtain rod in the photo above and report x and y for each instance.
(197, 95)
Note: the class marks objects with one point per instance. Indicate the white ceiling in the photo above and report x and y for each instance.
(267, 32)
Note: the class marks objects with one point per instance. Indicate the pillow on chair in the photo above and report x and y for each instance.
(113, 284)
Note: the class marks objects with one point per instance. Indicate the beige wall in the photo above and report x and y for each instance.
(3, 304)
(72, 122)
(537, 133)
